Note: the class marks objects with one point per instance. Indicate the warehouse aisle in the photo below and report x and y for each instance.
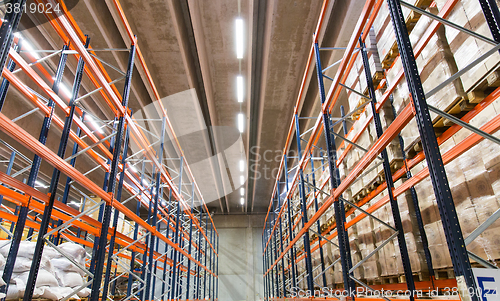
(240, 257)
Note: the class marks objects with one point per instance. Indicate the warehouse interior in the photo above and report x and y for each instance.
(250, 150)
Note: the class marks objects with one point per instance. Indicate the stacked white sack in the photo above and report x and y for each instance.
(48, 285)
(68, 274)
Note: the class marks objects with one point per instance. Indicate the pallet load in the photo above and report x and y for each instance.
(435, 64)
(473, 182)
(57, 276)
(372, 266)
(465, 48)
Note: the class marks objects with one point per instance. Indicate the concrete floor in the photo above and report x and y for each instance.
(240, 257)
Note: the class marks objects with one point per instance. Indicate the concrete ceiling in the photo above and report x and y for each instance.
(190, 45)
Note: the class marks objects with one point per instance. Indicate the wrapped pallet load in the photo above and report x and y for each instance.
(465, 48)
(371, 267)
(435, 65)
(55, 279)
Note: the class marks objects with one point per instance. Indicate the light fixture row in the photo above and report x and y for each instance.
(240, 95)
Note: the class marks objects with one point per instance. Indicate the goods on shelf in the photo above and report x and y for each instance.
(57, 276)
(474, 177)
(465, 48)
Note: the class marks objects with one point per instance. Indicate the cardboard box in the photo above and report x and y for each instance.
(440, 256)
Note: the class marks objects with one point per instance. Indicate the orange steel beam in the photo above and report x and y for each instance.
(362, 22)
(450, 155)
(400, 122)
(157, 95)
(13, 218)
(418, 50)
(16, 132)
(87, 58)
(57, 120)
(60, 123)
(303, 83)
(62, 21)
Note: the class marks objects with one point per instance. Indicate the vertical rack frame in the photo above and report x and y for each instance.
(360, 32)
(79, 226)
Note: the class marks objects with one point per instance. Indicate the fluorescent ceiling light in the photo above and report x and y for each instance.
(40, 184)
(242, 201)
(145, 183)
(242, 165)
(74, 203)
(94, 124)
(240, 122)
(132, 167)
(62, 87)
(239, 87)
(242, 180)
(65, 90)
(242, 191)
(239, 38)
(26, 45)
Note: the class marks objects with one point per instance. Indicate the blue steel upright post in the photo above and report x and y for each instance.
(283, 278)
(444, 199)
(217, 266)
(205, 264)
(344, 248)
(321, 255)
(405, 258)
(198, 258)
(416, 206)
(303, 199)
(155, 213)
(23, 213)
(9, 170)
(9, 26)
(115, 217)
(136, 234)
(274, 252)
(173, 278)
(101, 251)
(163, 285)
(291, 233)
(492, 16)
(264, 265)
(188, 275)
(4, 87)
(47, 213)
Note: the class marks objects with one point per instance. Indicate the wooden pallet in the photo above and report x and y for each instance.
(45, 299)
(376, 78)
(445, 273)
(419, 276)
(389, 279)
(395, 165)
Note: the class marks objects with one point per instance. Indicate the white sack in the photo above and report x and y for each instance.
(69, 279)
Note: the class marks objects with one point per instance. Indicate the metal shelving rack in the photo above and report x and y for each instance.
(292, 229)
(175, 248)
